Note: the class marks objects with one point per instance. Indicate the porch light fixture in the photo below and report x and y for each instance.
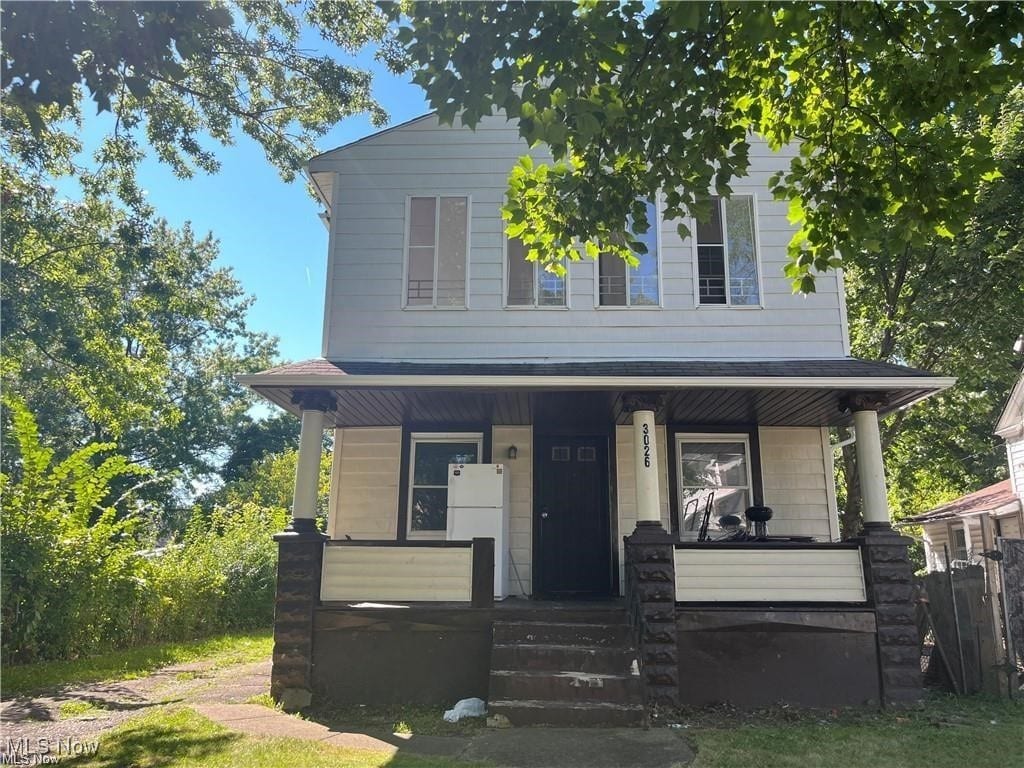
(513, 452)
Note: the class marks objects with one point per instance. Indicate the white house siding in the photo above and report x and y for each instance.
(521, 522)
(397, 573)
(1010, 525)
(625, 485)
(364, 483)
(796, 474)
(936, 535)
(815, 575)
(365, 320)
(1015, 460)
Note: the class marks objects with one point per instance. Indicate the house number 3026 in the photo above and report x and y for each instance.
(647, 445)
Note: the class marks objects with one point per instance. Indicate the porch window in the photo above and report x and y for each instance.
(430, 453)
(727, 255)
(530, 285)
(620, 285)
(718, 464)
(437, 246)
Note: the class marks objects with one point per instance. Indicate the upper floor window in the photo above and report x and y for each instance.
(726, 254)
(529, 284)
(437, 239)
(620, 285)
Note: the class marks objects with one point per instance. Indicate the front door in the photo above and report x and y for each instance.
(572, 538)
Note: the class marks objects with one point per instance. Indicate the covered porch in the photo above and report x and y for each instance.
(598, 456)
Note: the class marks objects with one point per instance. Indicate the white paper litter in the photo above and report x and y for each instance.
(466, 708)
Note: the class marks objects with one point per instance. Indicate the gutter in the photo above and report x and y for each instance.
(420, 381)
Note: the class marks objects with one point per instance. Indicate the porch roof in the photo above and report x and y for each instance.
(988, 499)
(775, 392)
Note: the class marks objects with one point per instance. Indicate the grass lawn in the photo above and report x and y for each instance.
(221, 650)
(977, 732)
(180, 738)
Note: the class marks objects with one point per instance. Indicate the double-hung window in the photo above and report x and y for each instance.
(712, 464)
(620, 285)
(726, 254)
(430, 453)
(437, 248)
(529, 284)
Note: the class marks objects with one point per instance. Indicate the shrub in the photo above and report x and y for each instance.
(81, 573)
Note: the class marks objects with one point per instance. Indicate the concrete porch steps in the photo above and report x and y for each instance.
(559, 670)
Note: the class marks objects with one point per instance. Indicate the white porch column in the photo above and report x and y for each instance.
(645, 457)
(870, 468)
(314, 405)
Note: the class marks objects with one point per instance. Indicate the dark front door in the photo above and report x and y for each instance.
(572, 539)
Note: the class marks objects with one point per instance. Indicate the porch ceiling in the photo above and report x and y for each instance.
(776, 393)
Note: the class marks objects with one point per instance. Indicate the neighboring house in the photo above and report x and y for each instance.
(616, 399)
(969, 525)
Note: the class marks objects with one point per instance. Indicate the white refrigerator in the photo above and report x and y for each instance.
(478, 506)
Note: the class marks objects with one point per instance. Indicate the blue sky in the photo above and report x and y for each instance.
(269, 231)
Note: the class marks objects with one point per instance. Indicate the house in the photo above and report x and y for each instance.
(621, 404)
(970, 525)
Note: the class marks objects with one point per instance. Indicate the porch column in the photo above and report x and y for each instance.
(645, 465)
(870, 468)
(300, 557)
(314, 404)
(650, 565)
(888, 572)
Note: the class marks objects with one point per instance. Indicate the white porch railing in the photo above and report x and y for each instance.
(387, 571)
(762, 573)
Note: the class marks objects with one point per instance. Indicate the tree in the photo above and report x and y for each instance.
(254, 439)
(634, 99)
(172, 74)
(116, 326)
(954, 308)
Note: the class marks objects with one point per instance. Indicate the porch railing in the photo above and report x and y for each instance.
(770, 573)
(411, 571)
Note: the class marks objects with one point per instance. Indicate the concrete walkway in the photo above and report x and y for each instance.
(507, 747)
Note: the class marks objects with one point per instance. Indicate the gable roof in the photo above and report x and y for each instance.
(1011, 421)
(987, 499)
(322, 179)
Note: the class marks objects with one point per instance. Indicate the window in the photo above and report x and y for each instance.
(620, 285)
(959, 545)
(726, 254)
(530, 285)
(709, 464)
(437, 239)
(429, 456)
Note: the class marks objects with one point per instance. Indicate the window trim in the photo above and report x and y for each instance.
(657, 224)
(692, 224)
(437, 234)
(433, 437)
(536, 268)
